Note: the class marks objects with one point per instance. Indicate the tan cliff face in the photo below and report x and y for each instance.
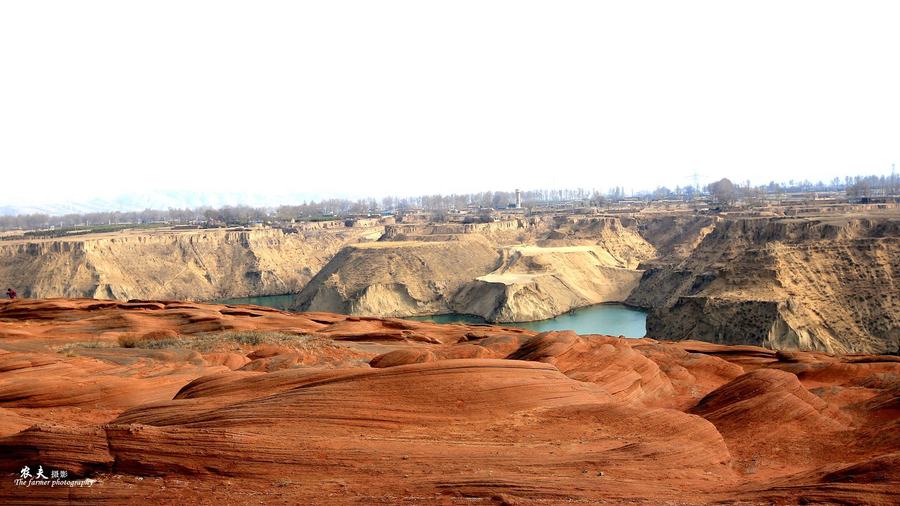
(398, 278)
(193, 265)
(502, 232)
(787, 283)
(615, 239)
(674, 235)
(536, 283)
(576, 262)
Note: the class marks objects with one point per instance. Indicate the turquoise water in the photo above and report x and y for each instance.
(451, 318)
(282, 302)
(610, 319)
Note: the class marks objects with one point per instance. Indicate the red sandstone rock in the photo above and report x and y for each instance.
(388, 411)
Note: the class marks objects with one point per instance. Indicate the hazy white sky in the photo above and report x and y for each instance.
(338, 97)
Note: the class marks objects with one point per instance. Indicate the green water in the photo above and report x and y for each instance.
(282, 302)
(609, 319)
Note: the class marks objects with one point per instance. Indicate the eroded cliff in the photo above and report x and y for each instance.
(398, 278)
(788, 283)
(191, 264)
(464, 269)
(535, 283)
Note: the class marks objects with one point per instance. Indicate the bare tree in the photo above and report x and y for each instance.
(723, 191)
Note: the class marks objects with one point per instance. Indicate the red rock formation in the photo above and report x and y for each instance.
(234, 405)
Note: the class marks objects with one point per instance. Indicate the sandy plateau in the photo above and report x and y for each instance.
(165, 402)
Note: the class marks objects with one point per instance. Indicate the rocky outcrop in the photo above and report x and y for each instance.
(786, 283)
(618, 237)
(420, 231)
(674, 235)
(398, 278)
(535, 283)
(578, 263)
(192, 264)
(242, 404)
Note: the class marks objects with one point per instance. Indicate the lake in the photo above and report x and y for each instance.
(282, 302)
(609, 319)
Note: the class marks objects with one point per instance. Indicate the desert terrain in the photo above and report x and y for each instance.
(169, 402)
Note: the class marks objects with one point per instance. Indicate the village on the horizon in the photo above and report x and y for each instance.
(719, 196)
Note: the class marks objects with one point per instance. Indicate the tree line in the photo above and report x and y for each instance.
(313, 210)
(723, 190)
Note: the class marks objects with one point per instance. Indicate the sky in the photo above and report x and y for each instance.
(100, 99)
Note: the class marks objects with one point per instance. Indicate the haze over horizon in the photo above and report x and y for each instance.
(105, 100)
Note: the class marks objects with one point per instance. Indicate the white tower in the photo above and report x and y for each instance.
(518, 198)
